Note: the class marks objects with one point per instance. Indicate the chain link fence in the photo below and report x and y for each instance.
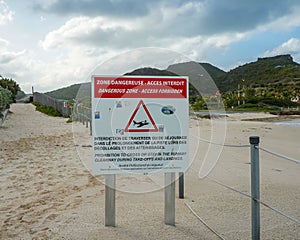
(62, 106)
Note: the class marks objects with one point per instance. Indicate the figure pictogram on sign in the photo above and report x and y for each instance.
(141, 120)
(141, 123)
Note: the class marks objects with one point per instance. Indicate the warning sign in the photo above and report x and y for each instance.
(136, 122)
(140, 124)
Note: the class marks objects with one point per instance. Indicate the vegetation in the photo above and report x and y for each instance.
(67, 93)
(147, 71)
(47, 110)
(5, 98)
(265, 72)
(10, 85)
(8, 92)
(267, 84)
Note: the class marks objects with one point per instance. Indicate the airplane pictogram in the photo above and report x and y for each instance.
(140, 124)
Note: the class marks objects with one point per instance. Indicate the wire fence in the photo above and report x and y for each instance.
(279, 155)
(84, 114)
(60, 105)
(257, 200)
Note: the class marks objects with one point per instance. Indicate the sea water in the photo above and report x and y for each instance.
(295, 122)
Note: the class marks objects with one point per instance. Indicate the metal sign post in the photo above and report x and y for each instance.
(110, 200)
(170, 199)
(140, 125)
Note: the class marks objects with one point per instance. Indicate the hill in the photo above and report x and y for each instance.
(200, 76)
(66, 93)
(147, 71)
(271, 73)
(194, 70)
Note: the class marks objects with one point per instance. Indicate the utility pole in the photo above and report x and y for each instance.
(244, 94)
(239, 93)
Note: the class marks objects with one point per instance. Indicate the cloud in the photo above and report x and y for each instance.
(189, 18)
(117, 8)
(89, 31)
(243, 16)
(7, 57)
(283, 23)
(6, 15)
(97, 30)
(191, 27)
(3, 44)
(20, 66)
(42, 19)
(163, 28)
(292, 46)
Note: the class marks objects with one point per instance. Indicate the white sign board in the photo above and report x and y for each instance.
(140, 124)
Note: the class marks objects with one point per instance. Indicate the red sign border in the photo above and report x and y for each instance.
(141, 102)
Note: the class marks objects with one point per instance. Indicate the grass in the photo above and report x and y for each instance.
(48, 110)
(249, 107)
(291, 112)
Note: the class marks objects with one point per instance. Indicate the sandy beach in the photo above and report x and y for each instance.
(47, 191)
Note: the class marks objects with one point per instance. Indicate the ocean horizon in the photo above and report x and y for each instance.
(295, 122)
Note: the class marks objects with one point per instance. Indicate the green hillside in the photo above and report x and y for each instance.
(279, 70)
(200, 76)
(213, 71)
(268, 81)
(66, 93)
(194, 70)
(147, 71)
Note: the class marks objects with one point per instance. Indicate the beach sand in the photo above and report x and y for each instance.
(47, 191)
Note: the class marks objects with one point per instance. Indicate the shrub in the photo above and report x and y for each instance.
(5, 98)
(47, 110)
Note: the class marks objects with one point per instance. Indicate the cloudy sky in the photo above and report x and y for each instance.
(50, 44)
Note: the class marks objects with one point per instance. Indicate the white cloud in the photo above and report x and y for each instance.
(7, 57)
(3, 44)
(196, 29)
(292, 46)
(202, 46)
(43, 19)
(283, 23)
(158, 29)
(88, 41)
(6, 15)
(86, 31)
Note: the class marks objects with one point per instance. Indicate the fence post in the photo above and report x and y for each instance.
(255, 194)
(86, 117)
(181, 185)
(91, 120)
(91, 128)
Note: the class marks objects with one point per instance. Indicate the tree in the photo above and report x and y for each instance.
(5, 98)
(199, 104)
(10, 85)
(250, 93)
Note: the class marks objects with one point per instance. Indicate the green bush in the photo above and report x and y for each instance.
(11, 86)
(5, 98)
(248, 105)
(47, 110)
